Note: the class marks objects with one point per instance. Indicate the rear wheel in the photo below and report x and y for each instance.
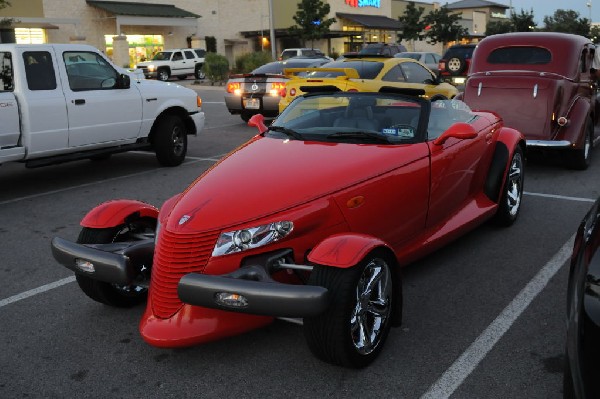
(510, 202)
(354, 328)
(581, 158)
(170, 141)
(122, 296)
(199, 74)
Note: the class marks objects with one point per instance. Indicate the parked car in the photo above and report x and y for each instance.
(368, 73)
(454, 64)
(540, 83)
(312, 218)
(582, 365)
(260, 90)
(174, 62)
(383, 49)
(429, 59)
(300, 52)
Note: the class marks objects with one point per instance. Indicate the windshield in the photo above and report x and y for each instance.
(365, 69)
(409, 55)
(365, 118)
(162, 56)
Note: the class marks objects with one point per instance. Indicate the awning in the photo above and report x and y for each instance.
(372, 21)
(142, 9)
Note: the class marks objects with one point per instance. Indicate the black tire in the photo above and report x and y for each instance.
(582, 158)
(246, 116)
(163, 74)
(512, 193)
(455, 66)
(170, 141)
(107, 293)
(335, 336)
(199, 73)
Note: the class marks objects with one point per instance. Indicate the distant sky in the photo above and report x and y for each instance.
(542, 8)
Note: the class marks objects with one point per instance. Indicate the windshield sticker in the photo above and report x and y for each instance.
(403, 132)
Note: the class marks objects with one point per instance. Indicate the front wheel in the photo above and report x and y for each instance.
(163, 74)
(122, 296)
(510, 202)
(352, 331)
(170, 141)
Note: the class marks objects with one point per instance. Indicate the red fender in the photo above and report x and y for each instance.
(344, 250)
(574, 131)
(114, 213)
(511, 138)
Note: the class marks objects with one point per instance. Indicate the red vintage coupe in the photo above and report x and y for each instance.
(312, 218)
(542, 84)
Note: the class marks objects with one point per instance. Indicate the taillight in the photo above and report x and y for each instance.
(283, 92)
(277, 88)
(292, 92)
(234, 87)
(352, 90)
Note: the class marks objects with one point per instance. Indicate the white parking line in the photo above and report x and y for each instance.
(455, 375)
(559, 197)
(36, 291)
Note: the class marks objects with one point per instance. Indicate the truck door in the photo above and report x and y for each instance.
(98, 111)
(9, 111)
(179, 65)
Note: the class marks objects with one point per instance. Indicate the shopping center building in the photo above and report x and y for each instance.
(130, 31)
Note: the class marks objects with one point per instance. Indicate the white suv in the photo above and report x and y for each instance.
(173, 62)
(296, 52)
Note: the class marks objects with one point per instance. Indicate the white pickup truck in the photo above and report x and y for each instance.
(180, 62)
(64, 102)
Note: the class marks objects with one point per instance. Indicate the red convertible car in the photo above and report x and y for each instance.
(312, 218)
(541, 84)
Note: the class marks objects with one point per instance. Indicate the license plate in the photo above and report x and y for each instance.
(252, 103)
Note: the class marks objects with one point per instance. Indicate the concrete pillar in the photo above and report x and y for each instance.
(121, 51)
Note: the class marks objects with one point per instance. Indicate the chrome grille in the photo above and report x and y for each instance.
(176, 255)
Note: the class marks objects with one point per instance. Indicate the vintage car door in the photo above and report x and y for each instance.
(98, 111)
(458, 167)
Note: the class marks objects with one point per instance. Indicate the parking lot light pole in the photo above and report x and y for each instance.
(272, 31)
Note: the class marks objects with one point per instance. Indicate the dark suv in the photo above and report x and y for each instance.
(382, 49)
(454, 65)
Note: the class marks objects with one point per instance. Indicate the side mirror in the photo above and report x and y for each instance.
(258, 121)
(123, 81)
(460, 131)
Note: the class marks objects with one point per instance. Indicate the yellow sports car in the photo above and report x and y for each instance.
(371, 74)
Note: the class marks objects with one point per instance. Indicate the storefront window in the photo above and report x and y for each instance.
(30, 35)
(141, 47)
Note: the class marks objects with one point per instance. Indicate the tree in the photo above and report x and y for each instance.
(496, 27)
(311, 21)
(412, 22)
(522, 22)
(595, 34)
(567, 21)
(5, 21)
(443, 26)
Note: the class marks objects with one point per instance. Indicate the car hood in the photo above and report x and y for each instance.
(269, 175)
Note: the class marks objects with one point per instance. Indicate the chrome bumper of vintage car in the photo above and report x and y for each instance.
(549, 143)
(118, 263)
(250, 289)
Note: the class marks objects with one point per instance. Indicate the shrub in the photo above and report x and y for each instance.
(216, 67)
(250, 61)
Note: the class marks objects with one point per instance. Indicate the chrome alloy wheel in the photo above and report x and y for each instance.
(373, 306)
(178, 140)
(515, 184)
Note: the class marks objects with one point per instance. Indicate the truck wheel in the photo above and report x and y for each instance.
(163, 74)
(352, 331)
(510, 201)
(107, 293)
(199, 73)
(582, 158)
(170, 141)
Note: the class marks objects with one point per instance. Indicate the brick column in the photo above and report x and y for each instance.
(121, 51)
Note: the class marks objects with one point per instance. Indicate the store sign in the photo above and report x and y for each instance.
(364, 3)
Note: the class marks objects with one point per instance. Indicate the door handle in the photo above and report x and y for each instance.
(79, 101)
